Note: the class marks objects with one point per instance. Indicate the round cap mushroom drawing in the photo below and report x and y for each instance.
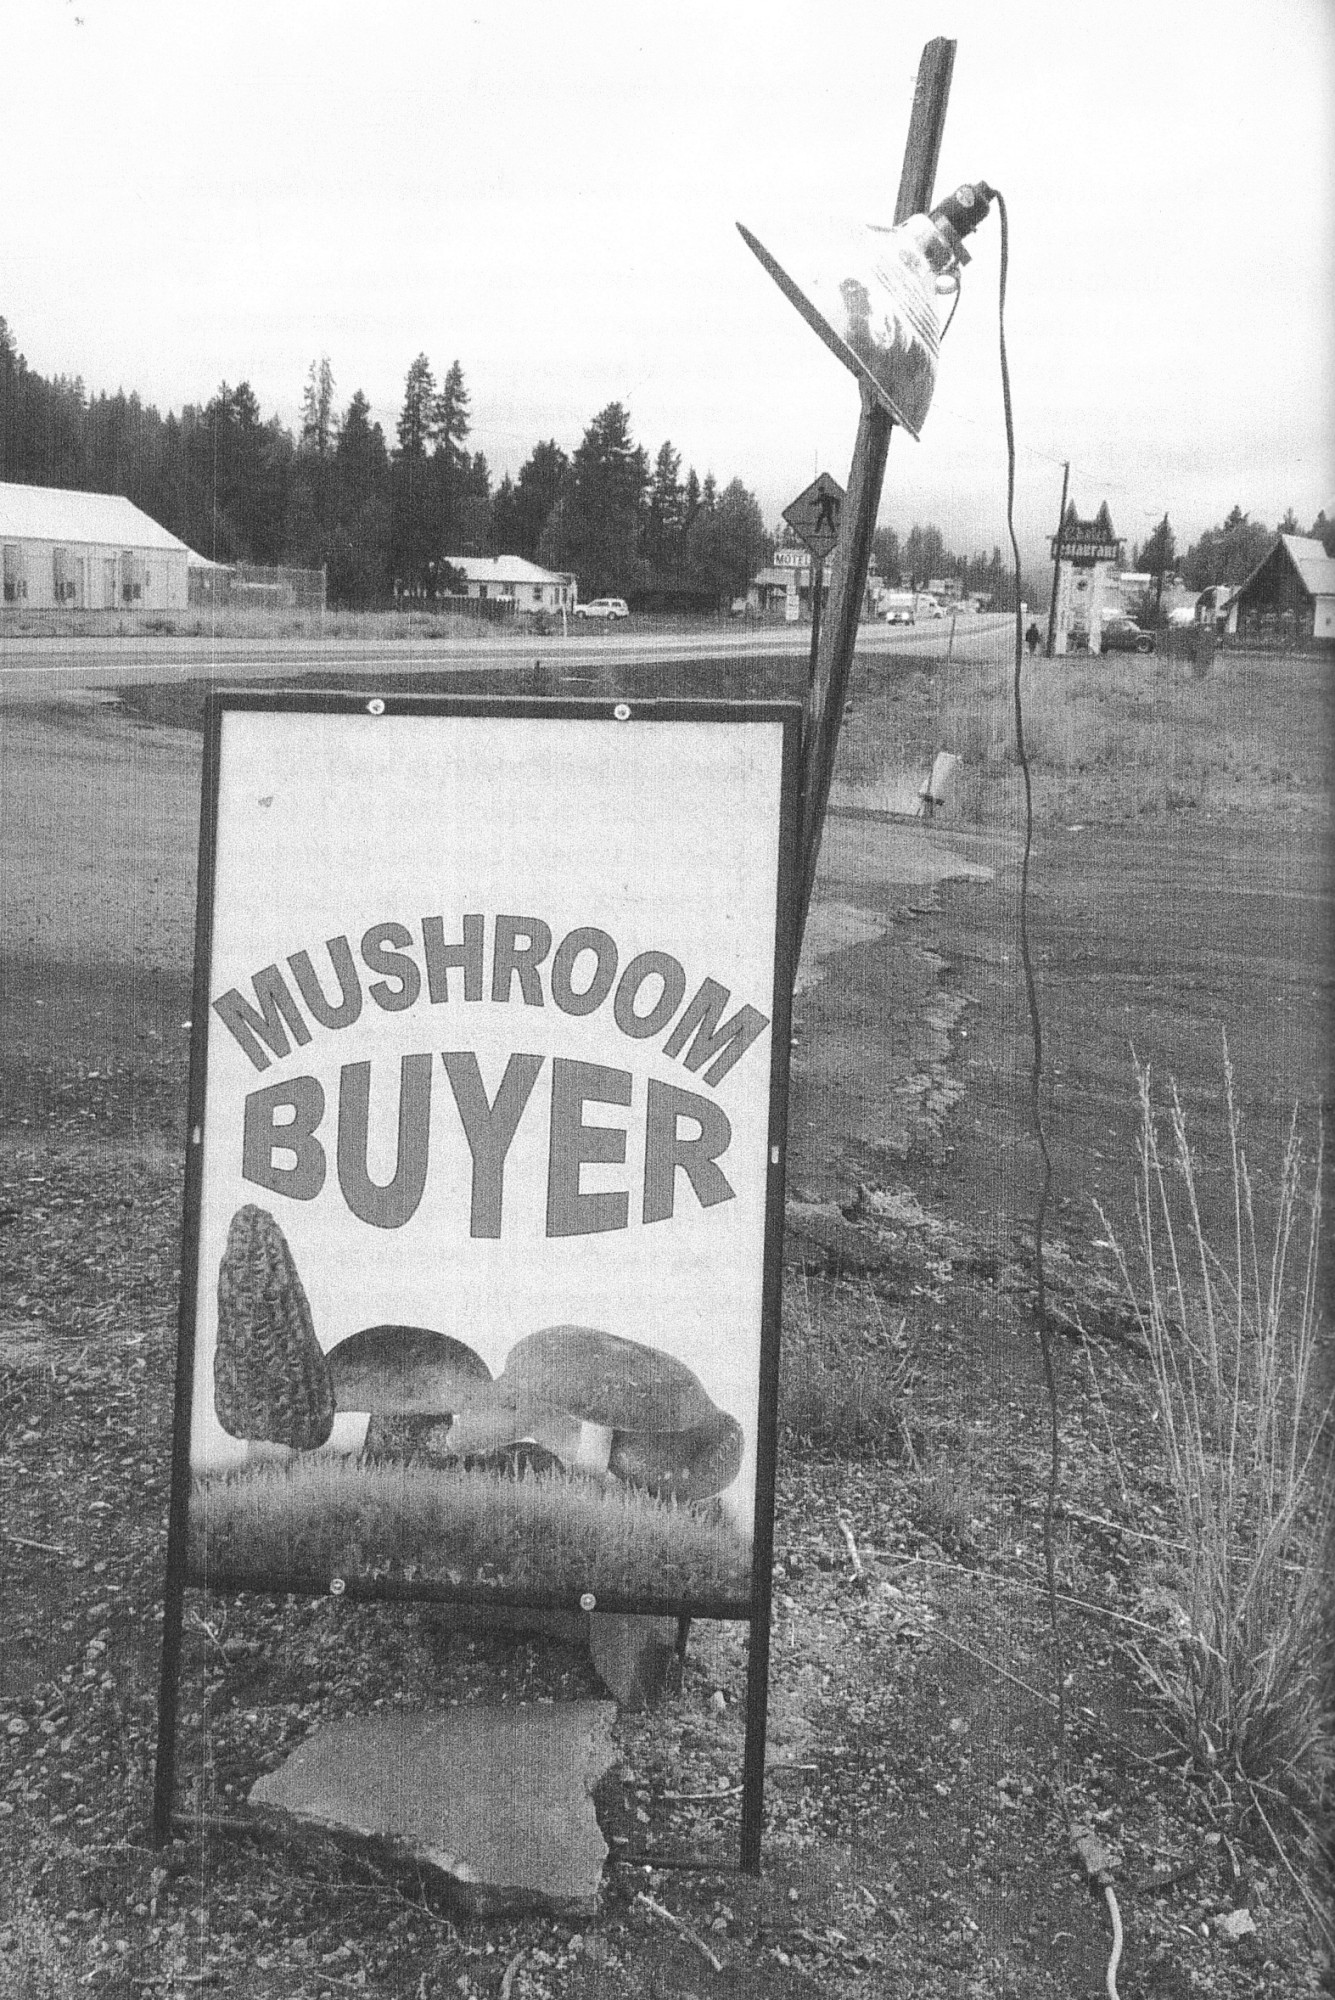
(600, 1403)
(410, 1380)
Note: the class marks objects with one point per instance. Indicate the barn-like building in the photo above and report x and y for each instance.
(86, 552)
(1289, 596)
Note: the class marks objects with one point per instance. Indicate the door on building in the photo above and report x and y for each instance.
(109, 582)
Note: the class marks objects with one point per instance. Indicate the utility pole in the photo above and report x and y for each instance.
(1056, 561)
(848, 582)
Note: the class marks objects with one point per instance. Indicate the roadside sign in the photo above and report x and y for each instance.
(814, 515)
(485, 1182)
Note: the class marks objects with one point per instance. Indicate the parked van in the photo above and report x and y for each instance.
(897, 607)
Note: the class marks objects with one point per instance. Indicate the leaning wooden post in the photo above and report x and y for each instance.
(843, 606)
(825, 707)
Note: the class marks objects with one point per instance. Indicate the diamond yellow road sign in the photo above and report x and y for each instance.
(814, 515)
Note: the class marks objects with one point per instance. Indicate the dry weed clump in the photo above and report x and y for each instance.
(1240, 1400)
(846, 1377)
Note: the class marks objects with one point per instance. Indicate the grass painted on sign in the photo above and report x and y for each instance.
(320, 1515)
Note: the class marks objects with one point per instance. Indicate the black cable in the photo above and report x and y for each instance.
(1036, 1031)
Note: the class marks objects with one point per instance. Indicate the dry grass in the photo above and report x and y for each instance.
(1240, 1404)
(200, 621)
(846, 1378)
(1117, 737)
(320, 1516)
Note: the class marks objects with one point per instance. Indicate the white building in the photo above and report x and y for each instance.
(514, 580)
(87, 552)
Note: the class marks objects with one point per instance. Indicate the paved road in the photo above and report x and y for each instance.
(32, 670)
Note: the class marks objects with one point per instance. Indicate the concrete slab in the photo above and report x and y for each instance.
(497, 1800)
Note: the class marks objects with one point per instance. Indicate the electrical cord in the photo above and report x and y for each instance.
(1101, 1876)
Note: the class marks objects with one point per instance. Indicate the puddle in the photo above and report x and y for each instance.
(832, 927)
(877, 860)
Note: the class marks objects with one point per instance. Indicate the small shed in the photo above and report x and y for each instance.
(515, 580)
(771, 587)
(85, 552)
(1289, 596)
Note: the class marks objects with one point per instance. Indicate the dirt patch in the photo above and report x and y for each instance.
(915, 1840)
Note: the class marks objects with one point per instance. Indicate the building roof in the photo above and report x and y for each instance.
(505, 569)
(1313, 565)
(1315, 569)
(53, 514)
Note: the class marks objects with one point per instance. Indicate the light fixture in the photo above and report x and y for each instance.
(871, 293)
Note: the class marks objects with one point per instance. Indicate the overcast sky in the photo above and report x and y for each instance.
(548, 192)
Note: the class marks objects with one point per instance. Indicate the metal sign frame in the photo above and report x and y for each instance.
(752, 1605)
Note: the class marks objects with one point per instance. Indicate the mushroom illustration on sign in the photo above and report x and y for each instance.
(271, 1383)
(602, 1404)
(410, 1380)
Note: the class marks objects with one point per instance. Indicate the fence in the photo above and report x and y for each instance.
(252, 586)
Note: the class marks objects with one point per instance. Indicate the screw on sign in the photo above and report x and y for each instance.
(814, 515)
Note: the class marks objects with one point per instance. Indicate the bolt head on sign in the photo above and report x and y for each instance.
(814, 515)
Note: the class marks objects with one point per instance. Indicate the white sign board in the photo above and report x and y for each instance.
(485, 1195)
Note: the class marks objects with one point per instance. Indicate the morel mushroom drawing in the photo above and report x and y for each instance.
(271, 1381)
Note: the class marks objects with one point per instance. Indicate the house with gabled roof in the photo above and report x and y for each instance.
(86, 552)
(515, 580)
(1290, 595)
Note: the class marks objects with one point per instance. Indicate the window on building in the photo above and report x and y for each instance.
(537, 593)
(132, 588)
(11, 568)
(62, 575)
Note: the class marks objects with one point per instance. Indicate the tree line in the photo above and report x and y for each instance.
(1228, 553)
(922, 557)
(382, 517)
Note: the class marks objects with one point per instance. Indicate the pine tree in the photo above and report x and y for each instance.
(317, 409)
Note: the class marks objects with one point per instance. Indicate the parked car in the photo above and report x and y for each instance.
(1123, 635)
(929, 608)
(603, 607)
(897, 607)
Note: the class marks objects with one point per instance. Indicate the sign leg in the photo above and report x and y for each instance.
(164, 1771)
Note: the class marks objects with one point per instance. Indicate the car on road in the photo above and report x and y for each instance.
(610, 608)
(897, 607)
(1123, 635)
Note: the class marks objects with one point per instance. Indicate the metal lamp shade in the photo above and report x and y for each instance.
(871, 296)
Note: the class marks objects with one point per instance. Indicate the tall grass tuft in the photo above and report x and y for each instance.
(1240, 1401)
(846, 1377)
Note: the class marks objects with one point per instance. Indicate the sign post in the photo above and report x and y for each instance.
(825, 703)
(485, 1173)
